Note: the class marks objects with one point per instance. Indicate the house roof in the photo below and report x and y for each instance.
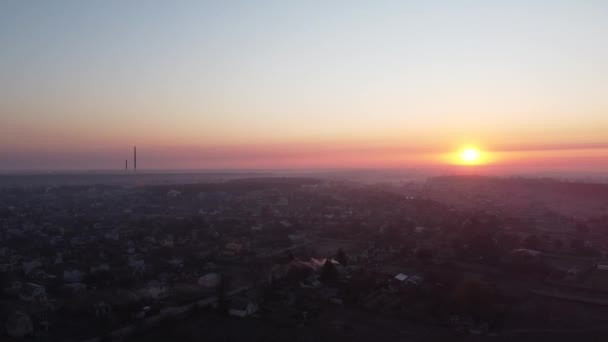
(401, 277)
(29, 288)
(14, 319)
(415, 279)
(239, 303)
(526, 251)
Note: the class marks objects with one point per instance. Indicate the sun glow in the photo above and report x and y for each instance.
(470, 156)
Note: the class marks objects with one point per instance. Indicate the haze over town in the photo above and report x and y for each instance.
(303, 171)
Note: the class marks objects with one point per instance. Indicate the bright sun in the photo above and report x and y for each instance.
(469, 155)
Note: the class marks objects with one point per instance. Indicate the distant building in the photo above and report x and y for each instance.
(19, 325)
(173, 193)
(209, 280)
(242, 307)
(30, 292)
(31, 265)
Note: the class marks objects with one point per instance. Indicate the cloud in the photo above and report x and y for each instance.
(291, 155)
(550, 147)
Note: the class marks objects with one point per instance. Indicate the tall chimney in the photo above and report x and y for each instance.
(126, 166)
(134, 158)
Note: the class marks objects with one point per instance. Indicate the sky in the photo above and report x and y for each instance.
(302, 84)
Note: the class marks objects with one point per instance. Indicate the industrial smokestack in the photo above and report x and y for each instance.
(126, 166)
(134, 158)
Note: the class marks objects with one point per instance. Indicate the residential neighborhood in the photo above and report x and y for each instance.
(89, 262)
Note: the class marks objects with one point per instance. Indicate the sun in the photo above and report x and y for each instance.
(470, 155)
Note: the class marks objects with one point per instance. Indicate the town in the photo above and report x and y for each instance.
(257, 258)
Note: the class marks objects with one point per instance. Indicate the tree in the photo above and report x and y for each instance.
(476, 298)
(577, 244)
(329, 273)
(582, 228)
(425, 255)
(532, 242)
(341, 257)
(558, 244)
(222, 289)
(483, 245)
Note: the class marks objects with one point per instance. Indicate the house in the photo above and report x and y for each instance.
(209, 280)
(102, 267)
(242, 307)
(30, 292)
(72, 276)
(137, 264)
(19, 325)
(28, 266)
(76, 287)
(310, 283)
(55, 240)
(77, 241)
(232, 248)
(401, 281)
(11, 286)
(176, 262)
(419, 230)
(112, 235)
(42, 275)
(155, 290)
(173, 193)
(526, 252)
(414, 280)
(167, 241)
(7, 267)
(102, 309)
(401, 277)
(150, 239)
(298, 237)
(16, 232)
(524, 255)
